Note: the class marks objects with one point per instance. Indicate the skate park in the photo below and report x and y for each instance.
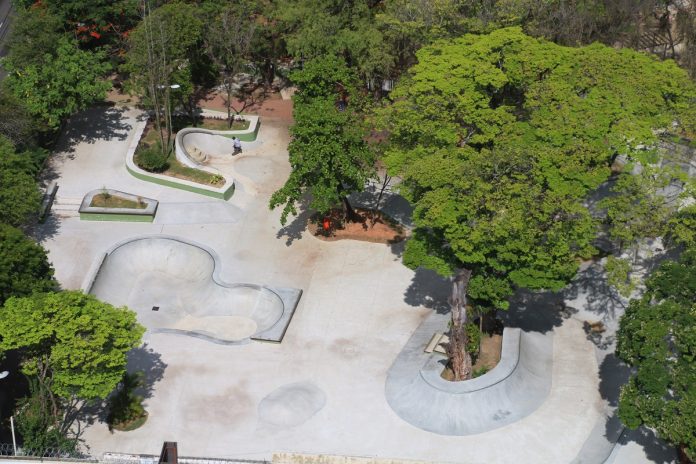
(326, 389)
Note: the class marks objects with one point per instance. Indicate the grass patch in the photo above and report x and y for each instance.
(130, 425)
(181, 171)
(171, 166)
(221, 124)
(106, 200)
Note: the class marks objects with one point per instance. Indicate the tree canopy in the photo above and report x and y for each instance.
(19, 194)
(499, 139)
(24, 267)
(656, 336)
(328, 153)
(60, 84)
(70, 339)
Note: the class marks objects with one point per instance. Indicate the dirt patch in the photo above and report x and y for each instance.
(268, 104)
(369, 226)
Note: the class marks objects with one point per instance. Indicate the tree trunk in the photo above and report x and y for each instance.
(459, 357)
(351, 215)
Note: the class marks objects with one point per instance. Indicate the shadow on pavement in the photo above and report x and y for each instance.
(293, 230)
(656, 450)
(142, 359)
(429, 289)
(103, 122)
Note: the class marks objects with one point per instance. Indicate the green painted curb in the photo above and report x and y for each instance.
(249, 136)
(123, 217)
(190, 188)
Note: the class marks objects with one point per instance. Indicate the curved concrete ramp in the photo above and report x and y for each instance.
(515, 388)
(173, 286)
(207, 142)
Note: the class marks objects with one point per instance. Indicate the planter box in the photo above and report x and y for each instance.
(97, 213)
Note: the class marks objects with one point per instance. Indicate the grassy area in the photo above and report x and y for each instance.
(221, 124)
(132, 425)
(106, 200)
(180, 171)
(174, 167)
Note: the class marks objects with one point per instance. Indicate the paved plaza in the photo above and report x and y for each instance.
(322, 390)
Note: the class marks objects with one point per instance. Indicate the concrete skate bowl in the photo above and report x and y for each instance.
(174, 288)
(196, 147)
(515, 388)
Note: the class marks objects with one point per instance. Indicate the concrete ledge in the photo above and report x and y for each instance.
(509, 358)
(224, 192)
(47, 200)
(515, 388)
(95, 213)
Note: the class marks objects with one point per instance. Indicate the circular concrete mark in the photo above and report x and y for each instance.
(226, 327)
(291, 404)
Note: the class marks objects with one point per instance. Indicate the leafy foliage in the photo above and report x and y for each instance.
(70, 340)
(37, 426)
(152, 159)
(19, 195)
(500, 137)
(328, 154)
(125, 406)
(24, 267)
(657, 336)
(60, 84)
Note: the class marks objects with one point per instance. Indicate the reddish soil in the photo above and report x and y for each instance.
(366, 229)
(270, 105)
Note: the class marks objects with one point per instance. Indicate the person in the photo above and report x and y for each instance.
(237, 145)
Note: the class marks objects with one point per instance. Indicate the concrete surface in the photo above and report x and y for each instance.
(360, 307)
(181, 280)
(515, 388)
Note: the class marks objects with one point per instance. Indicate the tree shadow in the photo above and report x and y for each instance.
(589, 291)
(393, 205)
(102, 122)
(42, 231)
(536, 311)
(293, 230)
(147, 361)
(429, 289)
(142, 359)
(656, 449)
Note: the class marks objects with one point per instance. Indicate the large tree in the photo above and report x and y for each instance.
(328, 154)
(24, 266)
(501, 137)
(228, 42)
(60, 84)
(161, 51)
(73, 345)
(19, 194)
(657, 336)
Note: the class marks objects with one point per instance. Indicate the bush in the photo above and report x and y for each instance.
(151, 159)
(125, 406)
(39, 431)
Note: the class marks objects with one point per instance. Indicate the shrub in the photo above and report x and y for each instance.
(151, 159)
(125, 406)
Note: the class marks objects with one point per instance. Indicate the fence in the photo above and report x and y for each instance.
(7, 450)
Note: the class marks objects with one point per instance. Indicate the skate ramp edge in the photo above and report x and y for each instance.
(515, 388)
(181, 279)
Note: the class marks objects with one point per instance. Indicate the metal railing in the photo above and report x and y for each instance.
(7, 450)
(122, 458)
